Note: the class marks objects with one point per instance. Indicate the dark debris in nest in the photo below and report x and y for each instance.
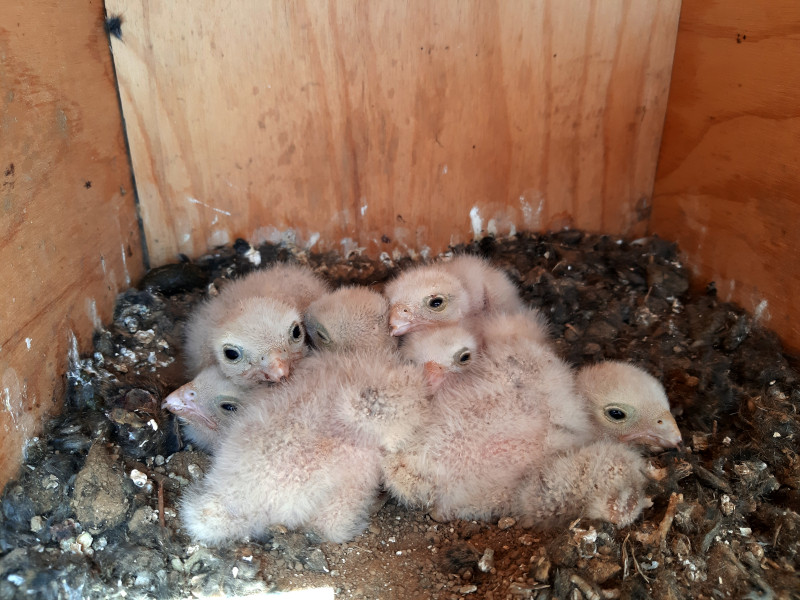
(94, 510)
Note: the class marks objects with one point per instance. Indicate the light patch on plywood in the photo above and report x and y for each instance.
(475, 222)
(91, 312)
(218, 237)
(761, 313)
(125, 265)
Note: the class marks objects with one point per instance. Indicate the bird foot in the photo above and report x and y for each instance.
(436, 515)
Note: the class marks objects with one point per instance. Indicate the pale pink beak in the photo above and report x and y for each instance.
(663, 434)
(400, 320)
(183, 403)
(277, 369)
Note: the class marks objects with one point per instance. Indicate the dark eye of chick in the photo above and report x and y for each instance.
(464, 358)
(229, 407)
(232, 353)
(296, 332)
(616, 413)
(435, 302)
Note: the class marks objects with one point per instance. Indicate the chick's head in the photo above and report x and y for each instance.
(206, 405)
(425, 297)
(259, 341)
(628, 404)
(445, 352)
(351, 318)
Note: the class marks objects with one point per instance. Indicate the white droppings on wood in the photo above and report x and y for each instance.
(196, 201)
(312, 240)
(28, 342)
(363, 205)
(91, 312)
(761, 312)
(125, 266)
(477, 223)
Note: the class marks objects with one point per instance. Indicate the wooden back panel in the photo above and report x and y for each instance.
(391, 125)
(69, 239)
(728, 185)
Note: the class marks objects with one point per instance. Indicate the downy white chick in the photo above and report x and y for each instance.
(628, 404)
(206, 406)
(253, 329)
(348, 319)
(308, 455)
(448, 291)
(496, 417)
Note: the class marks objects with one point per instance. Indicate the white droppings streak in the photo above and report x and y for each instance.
(363, 209)
(761, 312)
(7, 404)
(91, 312)
(477, 224)
(28, 342)
(103, 265)
(312, 240)
(186, 237)
(196, 201)
(73, 357)
(491, 228)
(527, 210)
(444, 170)
(125, 266)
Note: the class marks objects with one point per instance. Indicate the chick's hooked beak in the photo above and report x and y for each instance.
(663, 433)
(275, 368)
(400, 320)
(183, 403)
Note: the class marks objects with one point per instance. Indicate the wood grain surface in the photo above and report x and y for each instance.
(69, 239)
(728, 184)
(391, 125)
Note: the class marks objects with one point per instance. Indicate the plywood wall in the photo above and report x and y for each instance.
(728, 186)
(69, 238)
(390, 125)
